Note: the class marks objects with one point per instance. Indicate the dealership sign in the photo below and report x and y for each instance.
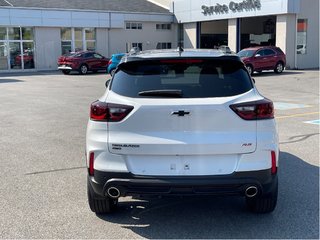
(246, 5)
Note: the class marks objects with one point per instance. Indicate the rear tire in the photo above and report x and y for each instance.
(265, 203)
(100, 204)
(279, 68)
(250, 69)
(83, 69)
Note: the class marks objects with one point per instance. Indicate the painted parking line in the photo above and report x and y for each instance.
(286, 106)
(313, 122)
(297, 115)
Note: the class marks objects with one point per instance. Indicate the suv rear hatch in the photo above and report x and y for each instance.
(181, 122)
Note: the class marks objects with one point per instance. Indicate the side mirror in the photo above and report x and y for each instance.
(257, 55)
(254, 81)
(107, 83)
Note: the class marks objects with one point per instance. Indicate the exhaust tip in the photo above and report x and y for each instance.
(113, 192)
(251, 191)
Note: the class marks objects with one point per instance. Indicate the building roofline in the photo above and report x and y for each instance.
(159, 4)
(86, 10)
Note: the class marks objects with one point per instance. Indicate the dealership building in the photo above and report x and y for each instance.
(34, 33)
(40, 31)
(292, 25)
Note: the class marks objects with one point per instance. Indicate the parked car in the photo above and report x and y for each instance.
(82, 62)
(263, 58)
(182, 122)
(113, 63)
(27, 58)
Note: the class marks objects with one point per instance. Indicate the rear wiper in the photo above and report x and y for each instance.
(162, 93)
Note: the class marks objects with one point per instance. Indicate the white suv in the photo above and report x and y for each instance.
(182, 122)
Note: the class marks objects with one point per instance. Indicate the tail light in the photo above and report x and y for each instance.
(91, 163)
(273, 162)
(109, 112)
(257, 110)
(110, 62)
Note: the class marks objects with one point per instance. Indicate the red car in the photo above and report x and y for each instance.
(82, 62)
(27, 58)
(263, 58)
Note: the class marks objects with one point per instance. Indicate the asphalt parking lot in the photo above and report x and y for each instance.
(43, 120)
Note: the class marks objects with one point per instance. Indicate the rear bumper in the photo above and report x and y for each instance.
(64, 68)
(232, 184)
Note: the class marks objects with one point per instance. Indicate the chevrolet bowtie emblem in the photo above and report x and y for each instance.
(180, 113)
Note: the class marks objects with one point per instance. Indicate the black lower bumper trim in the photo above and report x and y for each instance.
(232, 184)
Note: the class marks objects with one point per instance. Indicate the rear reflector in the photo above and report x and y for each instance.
(109, 112)
(257, 110)
(91, 163)
(273, 162)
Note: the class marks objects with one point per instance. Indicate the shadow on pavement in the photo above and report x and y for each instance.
(272, 73)
(32, 73)
(46, 73)
(9, 80)
(296, 215)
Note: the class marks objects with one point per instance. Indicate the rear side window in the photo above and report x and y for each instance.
(98, 56)
(268, 52)
(195, 78)
(88, 55)
(260, 52)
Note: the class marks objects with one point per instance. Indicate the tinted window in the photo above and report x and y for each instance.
(268, 52)
(195, 78)
(78, 55)
(96, 55)
(261, 53)
(88, 55)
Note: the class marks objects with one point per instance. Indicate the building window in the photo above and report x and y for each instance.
(27, 33)
(3, 33)
(164, 45)
(14, 33)
(133, 25)
(77, 39)
(90, 38)
(66, 40)
(3, 49)
(16, 48)
(302, 25)
(137, 45)
(165, 26)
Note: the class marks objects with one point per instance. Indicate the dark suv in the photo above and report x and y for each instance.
(258, 59)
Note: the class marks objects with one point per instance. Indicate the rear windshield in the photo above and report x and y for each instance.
(193, 78)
